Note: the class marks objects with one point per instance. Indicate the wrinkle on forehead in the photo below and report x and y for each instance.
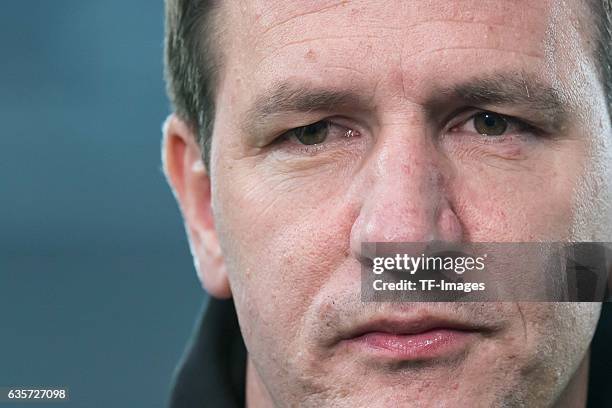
(270, 27)
(276, 14)
(392, 46)
(278, 18)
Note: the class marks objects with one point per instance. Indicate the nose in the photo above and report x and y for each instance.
(406, 196)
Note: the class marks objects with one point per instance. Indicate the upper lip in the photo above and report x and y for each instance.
(409, 325)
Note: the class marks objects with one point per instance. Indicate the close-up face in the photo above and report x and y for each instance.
(344, 122)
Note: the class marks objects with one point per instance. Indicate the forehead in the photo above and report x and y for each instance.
(388, 46)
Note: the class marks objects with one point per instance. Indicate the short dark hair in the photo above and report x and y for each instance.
(192, 61)
(191, 65)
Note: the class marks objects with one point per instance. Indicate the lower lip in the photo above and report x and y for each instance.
(427, 345)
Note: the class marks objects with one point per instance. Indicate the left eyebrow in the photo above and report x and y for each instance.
(506, 89)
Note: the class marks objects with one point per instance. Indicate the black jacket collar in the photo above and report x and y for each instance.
(212, 371)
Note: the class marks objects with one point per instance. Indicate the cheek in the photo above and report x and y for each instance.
(517, 202)
(282, 239)
(543, 346)
(558, 335)
(593, 200)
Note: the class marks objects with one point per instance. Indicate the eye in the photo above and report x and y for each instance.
(490, 124)
(312, 134)
(317, 136)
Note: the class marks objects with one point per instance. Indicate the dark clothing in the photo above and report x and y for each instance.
(212, 372)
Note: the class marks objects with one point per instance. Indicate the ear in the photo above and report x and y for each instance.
(190, 183)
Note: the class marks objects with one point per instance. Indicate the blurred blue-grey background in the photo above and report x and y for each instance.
(97, 289)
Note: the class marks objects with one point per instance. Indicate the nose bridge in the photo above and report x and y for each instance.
(405, 195)
(407, 187)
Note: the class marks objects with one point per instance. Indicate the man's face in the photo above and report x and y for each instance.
(400, 150)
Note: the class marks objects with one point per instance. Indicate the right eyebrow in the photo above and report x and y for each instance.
(286, 97)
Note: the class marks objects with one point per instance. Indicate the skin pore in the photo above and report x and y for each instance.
(393, 96)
